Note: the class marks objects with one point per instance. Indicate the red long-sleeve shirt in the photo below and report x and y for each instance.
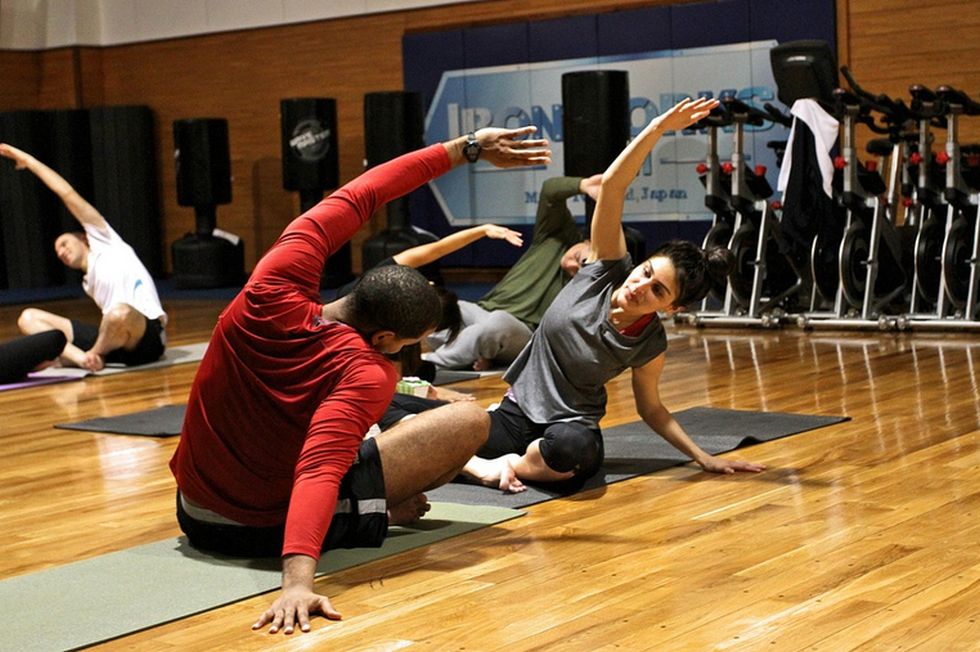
(283, 397)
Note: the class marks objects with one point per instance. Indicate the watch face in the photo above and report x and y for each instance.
(471, 150)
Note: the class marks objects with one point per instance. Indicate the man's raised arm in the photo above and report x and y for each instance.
(83, 211)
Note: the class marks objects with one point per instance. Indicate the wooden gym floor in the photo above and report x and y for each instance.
(860, 536)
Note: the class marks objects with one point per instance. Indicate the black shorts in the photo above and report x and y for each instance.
(403, 405)
(150, 348)
(360, 519)
(565, 445)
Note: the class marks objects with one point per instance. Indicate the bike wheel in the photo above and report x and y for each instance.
(957, 251)
(854, 263)
(928, 259)
(824, 266)
(743, 246)
(719, 235)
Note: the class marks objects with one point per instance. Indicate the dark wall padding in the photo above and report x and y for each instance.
(27, 208)
(124, 175)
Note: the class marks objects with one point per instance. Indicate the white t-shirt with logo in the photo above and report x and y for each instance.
(116, 275)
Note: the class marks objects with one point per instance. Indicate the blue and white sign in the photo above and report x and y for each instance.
(667, 187)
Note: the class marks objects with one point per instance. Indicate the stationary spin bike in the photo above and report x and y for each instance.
(869, 258)
(744, 222)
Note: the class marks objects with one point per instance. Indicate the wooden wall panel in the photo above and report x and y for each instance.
(895, 43)
(242, 76)
(19, 72)
(59, 82)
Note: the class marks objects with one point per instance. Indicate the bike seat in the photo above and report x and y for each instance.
(920, 93)
(847, 98)
(717, 118)
(951, 96)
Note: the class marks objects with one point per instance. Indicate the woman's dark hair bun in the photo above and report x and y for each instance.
(721, 263)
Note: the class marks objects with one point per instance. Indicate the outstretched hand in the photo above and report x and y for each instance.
(505, 148)
(685, 113)
(719, 465)
(495, 232)
(292, 608)
(19, 157)
(591, 185)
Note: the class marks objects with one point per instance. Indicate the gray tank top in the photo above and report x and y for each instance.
(561, 374)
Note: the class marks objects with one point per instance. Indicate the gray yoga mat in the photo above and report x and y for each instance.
(633, 449)
(105, 597)
(159, 422)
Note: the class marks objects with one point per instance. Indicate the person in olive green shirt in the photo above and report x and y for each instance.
(497, 327)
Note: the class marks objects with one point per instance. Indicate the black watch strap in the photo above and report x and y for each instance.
(471, 150)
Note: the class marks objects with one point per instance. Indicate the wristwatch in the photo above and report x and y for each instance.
(471, 150)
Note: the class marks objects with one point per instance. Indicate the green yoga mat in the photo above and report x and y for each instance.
(105, 597)
(633, 449)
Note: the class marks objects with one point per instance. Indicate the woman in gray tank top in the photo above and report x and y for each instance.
(603, 322)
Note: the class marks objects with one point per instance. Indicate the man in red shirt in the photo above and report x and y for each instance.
(272, 456)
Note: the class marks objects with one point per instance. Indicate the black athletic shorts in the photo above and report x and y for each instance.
(360, 519)
(402, 405)
(563, 444)
(150, 348)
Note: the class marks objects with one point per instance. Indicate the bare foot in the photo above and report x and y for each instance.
(93, 361)
(481, 364)
(499, 472)
(409, 511)
(74, 358)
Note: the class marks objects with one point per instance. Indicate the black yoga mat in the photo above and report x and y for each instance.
(159, 422)
(449, 376)
(634, 449)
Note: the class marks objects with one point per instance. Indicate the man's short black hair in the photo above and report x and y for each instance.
(394, 298)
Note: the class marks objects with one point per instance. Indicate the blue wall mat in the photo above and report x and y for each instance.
(563, 38)
(419, 73)
(791, 20)
(704, 24)
(496, 45)
(635, 30)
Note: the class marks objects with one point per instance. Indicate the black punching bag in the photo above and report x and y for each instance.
(310, 164)
(201, 153)
(394, 124)
(596, 128)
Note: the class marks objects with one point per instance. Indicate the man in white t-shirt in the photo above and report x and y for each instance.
(132, 328)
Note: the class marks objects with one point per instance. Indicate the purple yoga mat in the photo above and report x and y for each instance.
(31, 381)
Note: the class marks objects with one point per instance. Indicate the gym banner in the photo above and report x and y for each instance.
(667, 187)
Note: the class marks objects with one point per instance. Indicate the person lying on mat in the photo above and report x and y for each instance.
(272, 458)
(496, 328)
(604, 321)
(131, 331)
